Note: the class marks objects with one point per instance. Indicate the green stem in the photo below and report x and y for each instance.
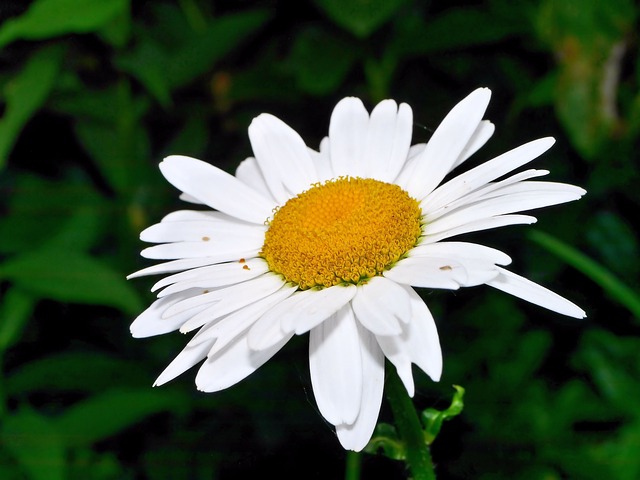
(409, 428)
(596, 272)
(352, 470)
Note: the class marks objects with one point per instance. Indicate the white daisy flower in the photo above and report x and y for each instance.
(331, 243)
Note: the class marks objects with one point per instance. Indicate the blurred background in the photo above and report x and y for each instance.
(93, 94)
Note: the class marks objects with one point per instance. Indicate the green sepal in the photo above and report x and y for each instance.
(432, 419)
(385, 438)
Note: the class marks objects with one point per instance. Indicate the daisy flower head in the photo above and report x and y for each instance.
(331, 242)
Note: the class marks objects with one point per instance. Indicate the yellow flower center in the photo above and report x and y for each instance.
(342, 231)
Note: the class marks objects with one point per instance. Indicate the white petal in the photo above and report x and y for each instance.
(322, 161)
(200, 231)
(447, 143)
(347, 136)
(535, 197)
(203, 215)
(388, 140)
(380, 305)
(185, 197)
(230, 251)
(478, 225)
(316, 306)
(225, 300)
(239, 322)
(458, 250)
(355, 436)
(231, 293)
(335, 364)
(151, 322)
(481, 175)
(216, 188)
(532, 292)
(492, 189)
(283, 157)
(187, 358)
(415, 151)
(482, 134)
(477, 261)
(428, 272)
(178, 265)
(249, 173)
(213, 276)
(298, 314)
(418, 343)
(233, 364)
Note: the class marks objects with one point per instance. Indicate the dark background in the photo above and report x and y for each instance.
(93, 94)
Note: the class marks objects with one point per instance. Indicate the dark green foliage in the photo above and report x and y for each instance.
(93, 94)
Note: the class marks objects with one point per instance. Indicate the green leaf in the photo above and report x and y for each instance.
(121, 146)
(61, 373)
(615, 288)
(620, 454)
(457, 28)
(51, 18)
(15, 311)
(612, 362)
(615, 241)
(70, 276)
(385, 438)
(360, 17)
(26, 93)
(147, 63)
(104, 415)
(35, 443)
(164, 69)
(432, 419)
(588, 39)
(68, 213)
(320, 61)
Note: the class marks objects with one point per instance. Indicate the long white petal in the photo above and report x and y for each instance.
(380, 305)
(203, 215)
(216, 188)
(249, 172)
(227, 300)
(233, 364)
(418, 343)
(479, 225)
(509, 203)
(315, 307)
(182, 264)
(185, 197)
(197, 231)
(388, 140)
(335, 363)
(428, 272)
(180, 250)
(355, 436)
(532, 292)
(151, 322)
(322, 161)
(492, 189)
(212, 276)
(187, 358)
(283, 157)
(482, 134)
(457, 250)
(347, 136)
(447, 143)
(239, 322)
(230, 293)
(475, 178)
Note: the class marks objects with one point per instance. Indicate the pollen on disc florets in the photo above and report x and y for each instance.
(342, 231)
